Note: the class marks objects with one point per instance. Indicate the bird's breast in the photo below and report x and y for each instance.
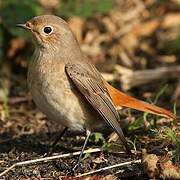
(55, 95)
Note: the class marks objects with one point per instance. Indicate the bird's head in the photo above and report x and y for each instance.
(49, 31)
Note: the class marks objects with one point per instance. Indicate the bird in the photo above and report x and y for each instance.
(68, 88)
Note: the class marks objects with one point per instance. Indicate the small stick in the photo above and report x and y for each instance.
(28, 162)
(130, 78)
(109, 167)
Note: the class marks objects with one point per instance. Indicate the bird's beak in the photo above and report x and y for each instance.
(24, 26)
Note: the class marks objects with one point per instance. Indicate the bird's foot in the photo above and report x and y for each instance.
(74, 170)
(45, 155)
(76, 167)
(48, 153)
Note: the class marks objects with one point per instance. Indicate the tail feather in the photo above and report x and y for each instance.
(122, 100)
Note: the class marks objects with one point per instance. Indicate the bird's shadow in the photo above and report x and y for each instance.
(40, 143)
(36, 143)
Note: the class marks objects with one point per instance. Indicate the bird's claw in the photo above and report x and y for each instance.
(75, 168)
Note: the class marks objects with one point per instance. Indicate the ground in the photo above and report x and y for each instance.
(135, 45)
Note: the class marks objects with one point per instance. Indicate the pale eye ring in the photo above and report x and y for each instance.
(48, 29)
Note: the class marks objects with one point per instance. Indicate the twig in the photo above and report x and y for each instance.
(47, 159)
(135, 11)
(147, 76)
(14, 100)
(130, 78)
(109, 167)
(126, 59)
(126, 29)
(110, 77)
(176, 93)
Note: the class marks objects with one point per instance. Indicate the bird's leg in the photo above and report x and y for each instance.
(88, 133)
(51, 149)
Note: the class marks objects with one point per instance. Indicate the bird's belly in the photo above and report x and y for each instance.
(61, 102)
(60, 105)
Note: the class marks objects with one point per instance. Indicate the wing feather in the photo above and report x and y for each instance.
(89, 82)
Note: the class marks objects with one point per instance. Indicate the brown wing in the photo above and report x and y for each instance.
(89, 82)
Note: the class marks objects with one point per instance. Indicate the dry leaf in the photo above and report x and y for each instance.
(76, 24)
(49, 4)
(161, 167)
(113, 137)
(110, 25)
(15, 45)
(149, 162)
(171, 20)
(169, 171)
(146, 28)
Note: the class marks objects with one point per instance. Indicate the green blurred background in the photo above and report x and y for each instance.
(135, 34)
(15, 11)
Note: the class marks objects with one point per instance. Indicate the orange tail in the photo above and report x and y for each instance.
(122, 100)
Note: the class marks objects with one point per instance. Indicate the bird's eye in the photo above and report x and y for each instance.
(48, 29)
